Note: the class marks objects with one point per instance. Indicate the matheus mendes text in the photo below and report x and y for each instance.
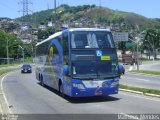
(138, 116)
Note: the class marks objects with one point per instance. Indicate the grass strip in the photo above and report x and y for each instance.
(5, 71)
(144, 90)
(146, 72)
(8, 65)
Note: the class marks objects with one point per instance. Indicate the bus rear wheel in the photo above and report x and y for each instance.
(61, 90)
(41, 80)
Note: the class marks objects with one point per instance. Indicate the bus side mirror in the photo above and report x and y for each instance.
(66, 70)
(120, 69)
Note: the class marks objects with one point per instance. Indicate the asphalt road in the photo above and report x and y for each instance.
(139, 80)
(26, 96)
(152, 66)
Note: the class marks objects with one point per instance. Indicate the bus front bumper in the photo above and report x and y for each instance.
(99, 91)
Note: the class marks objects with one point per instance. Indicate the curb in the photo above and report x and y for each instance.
(131, 91)
(140, 93)
(152, 95)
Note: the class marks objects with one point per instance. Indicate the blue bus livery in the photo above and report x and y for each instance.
(79, 62)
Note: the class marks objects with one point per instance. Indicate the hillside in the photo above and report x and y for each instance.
(90, 14)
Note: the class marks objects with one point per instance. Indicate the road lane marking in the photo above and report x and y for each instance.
(142, 79)
(144, 97)
(145, 75)
(4, 96)
(1, 111)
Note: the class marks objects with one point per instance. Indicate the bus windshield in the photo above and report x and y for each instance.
(94, 69)
(91, 39)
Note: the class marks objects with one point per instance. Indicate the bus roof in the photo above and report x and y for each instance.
(88, 29)
(50, 37)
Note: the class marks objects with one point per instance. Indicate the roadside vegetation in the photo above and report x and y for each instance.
(5, 71)
(144, 90)
(28, 60)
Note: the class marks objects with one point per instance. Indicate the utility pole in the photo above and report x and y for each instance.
(137, 55)
(138, 38)
(25, 19)
(7, 52)
(22, 51)
(25, 8)
(55, 7)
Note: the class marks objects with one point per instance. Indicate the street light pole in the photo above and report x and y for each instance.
(138, 39)
(7, 52)
(137, 56)
(55, 7)
(22, 51)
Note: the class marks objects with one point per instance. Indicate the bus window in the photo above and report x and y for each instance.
(66, 51)
(79, 40)
(65, 48)
(92, 39)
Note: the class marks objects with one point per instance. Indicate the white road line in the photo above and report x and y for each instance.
(142, 79)
(139, 74)
(141, 96)
(4, 94)
(1, 111)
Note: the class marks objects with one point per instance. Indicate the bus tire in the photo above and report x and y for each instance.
(61, 89)
(39, 77)
(41, 80)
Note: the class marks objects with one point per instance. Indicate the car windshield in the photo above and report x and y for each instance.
(94, 70)
(26, 66)
(88, 39)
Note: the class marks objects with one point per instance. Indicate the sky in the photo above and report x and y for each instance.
(148, 8)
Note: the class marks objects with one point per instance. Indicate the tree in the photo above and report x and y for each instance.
(152, 40)
(11, 41)
(43, 34)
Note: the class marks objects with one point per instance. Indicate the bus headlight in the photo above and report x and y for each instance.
(104, 84)
(79, 86)
(115, 83)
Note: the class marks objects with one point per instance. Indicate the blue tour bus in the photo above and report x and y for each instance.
(79, 62)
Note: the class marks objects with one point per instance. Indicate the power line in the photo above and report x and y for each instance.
(9, 7)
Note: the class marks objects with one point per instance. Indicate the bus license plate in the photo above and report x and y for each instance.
(98, 93)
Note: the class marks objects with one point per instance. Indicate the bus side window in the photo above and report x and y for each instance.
(65, 48)
(66, 52)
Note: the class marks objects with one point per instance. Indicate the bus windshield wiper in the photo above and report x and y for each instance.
(85, 78)
(108, 77)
